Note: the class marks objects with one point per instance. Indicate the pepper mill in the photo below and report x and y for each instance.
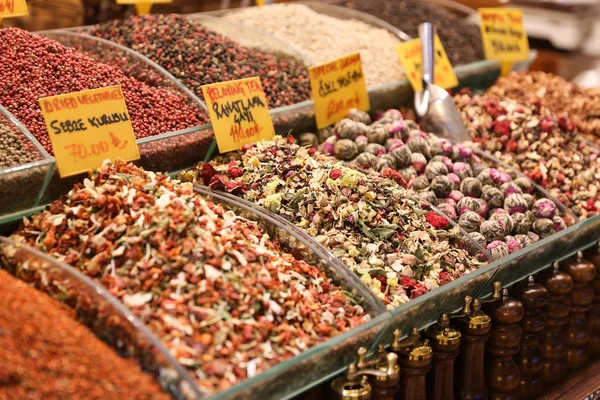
(445, 341)
(531, 359)
(502, 374)
(414, 357)
(593, 254)
(355, 384)
(554, 342)
(475, 326)
(577, 330)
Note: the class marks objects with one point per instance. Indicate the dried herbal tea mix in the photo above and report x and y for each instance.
(546, 147)
(366, 219)
(46, 354)
(33, 66)
(220, 295)
(198, 56)
(502, 212)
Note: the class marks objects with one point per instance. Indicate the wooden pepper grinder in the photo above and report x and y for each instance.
(502, 374)
(577, 330)
(531, 359)
(445, 341)
(355, 384)
(414, 357)
(385, 387)
(593, 254)
(475, 326)
(554, 342)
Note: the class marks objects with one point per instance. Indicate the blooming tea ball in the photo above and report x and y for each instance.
(471, 245)
(325, 133)
(408, 173)
(361, 143)
(471, 187)
(525, 240)
(513, 244)
(420, 183)
(396, 128)
(492, 196)
(435, 168)
(509, 188)
(524, 183)
(448, 201)
(468, 204)
(544, 227)
(533, 236)
(418, 144)
(498, 249)
(515, 203)
(447, 209)
(492, 230)
(522, 223)
(377, 134)
(559, 223)
(375, 149)
(383, 162)
(455, 181)
(440, 147)
(456, 195)
(470, 221)
(393, 114)
(419, 162)
(328, 146)
(366, 160)
(308, 139)
(359, 116)
(463, 170)
(478, 168)
(505, 221)
(460, 151)
(392, 144)
(544, 208)
(485, 177)
(445, 160)
(346, 149)
(441, 185)
(427, 196)
(529, 199)
(348, 129)
(403, 156)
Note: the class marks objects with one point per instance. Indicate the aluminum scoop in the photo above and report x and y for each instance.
(434, 106)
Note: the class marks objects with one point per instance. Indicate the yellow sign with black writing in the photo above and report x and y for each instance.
(13, 8)
(143, 6)
(503, 34)
(411, 58)
(239, 113)
(337, 87)
(87, 128)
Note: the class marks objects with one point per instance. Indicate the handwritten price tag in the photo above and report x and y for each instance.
(503, 34)
(239, 113)
(143, 6)
(88, 127)
(411, 58)
(13, 8)
(337, 87)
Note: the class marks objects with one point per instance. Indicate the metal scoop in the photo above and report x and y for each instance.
(434, 106)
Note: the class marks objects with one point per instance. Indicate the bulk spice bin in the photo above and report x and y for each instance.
(25, 166)
(325, 359)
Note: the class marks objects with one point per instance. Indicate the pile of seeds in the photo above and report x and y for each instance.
(546, 147)
(198, 56)
(15, 149)
(556, 94)
(485, 201)
(462, 41)
(46, 354)
(367, 220)
(221, 296)
(32, 67)
(323, 38)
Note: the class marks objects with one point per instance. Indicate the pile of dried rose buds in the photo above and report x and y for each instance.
(211, 285)
(368, 220)
(546, 147)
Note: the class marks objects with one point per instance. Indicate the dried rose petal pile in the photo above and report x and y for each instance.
(546, 147)
(368, 221)
(220, 295)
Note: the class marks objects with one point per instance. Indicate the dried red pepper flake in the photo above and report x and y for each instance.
(437, 221)
(222, 297)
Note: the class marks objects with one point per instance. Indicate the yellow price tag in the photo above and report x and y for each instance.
(142, 6)
(239, 113)
(411, 58)
(88, 127)
(13, 8)
(337, 87)
(503, 34)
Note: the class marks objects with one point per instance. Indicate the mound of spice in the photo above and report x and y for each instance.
(323, 38)
(489, 203)
(32, 67)
(368, 221)
(46, 354)
(582, 105)
(546, 147)
(198, 56)
(15, 149)
(462, 41)
(221, 296)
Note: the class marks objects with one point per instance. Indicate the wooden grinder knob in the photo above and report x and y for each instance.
(445, 341)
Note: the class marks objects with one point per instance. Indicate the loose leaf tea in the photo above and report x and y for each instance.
(368, 220)
(220, 295)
